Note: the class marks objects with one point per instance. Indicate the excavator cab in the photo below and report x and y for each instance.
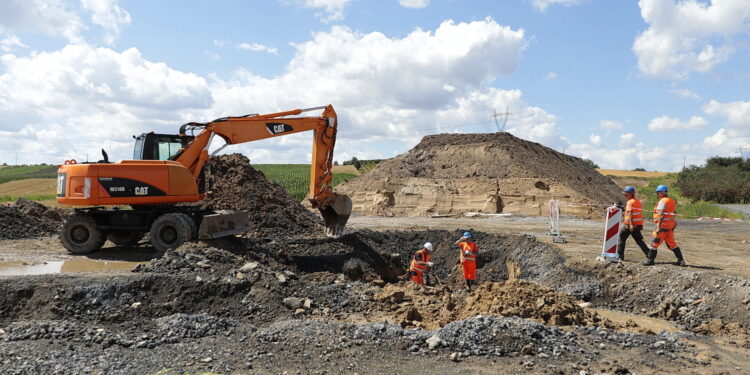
(152, 146)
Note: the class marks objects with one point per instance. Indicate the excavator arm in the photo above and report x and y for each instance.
(334, 208)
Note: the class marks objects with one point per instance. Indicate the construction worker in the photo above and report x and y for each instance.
(664, 224)
(632, 223)
(468, 258)
(420, 264)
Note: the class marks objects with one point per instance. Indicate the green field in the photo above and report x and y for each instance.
(686, 208)
(22, 172)
(295, 178)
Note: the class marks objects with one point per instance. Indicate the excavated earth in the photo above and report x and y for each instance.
(232, 184)
(488, 173)
(28, 219)
(333, 305)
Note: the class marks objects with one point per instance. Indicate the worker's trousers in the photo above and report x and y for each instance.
(637, 236)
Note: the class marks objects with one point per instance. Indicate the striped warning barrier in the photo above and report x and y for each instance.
(611, 231)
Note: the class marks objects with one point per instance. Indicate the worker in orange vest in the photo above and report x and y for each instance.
(632, 223)
(420, 264)
(664, 220)
(468, 258)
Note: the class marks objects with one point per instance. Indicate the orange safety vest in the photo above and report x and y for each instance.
(634, 212)
(669, 212)
(423, 256)
(472, 249)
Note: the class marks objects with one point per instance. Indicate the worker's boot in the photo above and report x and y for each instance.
(651, 258)
(468, 284)
(678, 254)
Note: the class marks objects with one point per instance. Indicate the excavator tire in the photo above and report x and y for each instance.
(170, 231)
(125, 237)
(80, 235)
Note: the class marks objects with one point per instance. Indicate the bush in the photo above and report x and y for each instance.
(721, 180)
(591, 163)
(639, 170)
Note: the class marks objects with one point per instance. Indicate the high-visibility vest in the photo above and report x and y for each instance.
(423, 256)
(469, 251)
(634, 212)
(669, 212)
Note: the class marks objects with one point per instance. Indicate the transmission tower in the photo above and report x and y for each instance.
(505, 114)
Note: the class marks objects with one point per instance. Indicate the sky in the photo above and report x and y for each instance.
(654, 84)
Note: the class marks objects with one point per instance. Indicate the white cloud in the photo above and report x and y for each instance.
(416, 4)
(550, 76)
(737, 113)
(542, 5)
(666, 123)
(11, 43)
(627, 140)
(108, 15)
(685, 93)
(220, 43)
(333, 10)
(595, 139)
(258, 48)
(610, 125)
(87, 97)
(688, 36)
(49, 17)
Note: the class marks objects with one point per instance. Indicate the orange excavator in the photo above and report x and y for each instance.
(168, 169)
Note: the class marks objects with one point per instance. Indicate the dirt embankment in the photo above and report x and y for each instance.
(490, 173)
(235, 185)
(28, 219)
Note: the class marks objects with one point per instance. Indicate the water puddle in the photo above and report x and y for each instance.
(17, 268)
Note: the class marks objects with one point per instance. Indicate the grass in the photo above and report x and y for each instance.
(22, 172)
(41, 197)
(686, 208)
(295, 178)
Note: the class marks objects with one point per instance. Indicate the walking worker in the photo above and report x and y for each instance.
(664, 220)
(420, 264)
(468, 258)
(633, 223)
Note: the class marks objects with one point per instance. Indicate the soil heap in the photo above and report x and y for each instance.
(488, 173)
(14, 225)
(234, 185)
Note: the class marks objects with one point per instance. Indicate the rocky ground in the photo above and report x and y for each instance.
(324, 305)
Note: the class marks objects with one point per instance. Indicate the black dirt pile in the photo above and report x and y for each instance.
(16, 225)
(50, 215)
(235, 185)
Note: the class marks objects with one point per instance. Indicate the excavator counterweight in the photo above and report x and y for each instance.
(168, 170)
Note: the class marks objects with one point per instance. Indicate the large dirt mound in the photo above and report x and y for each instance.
(234, 185)
(490, 173)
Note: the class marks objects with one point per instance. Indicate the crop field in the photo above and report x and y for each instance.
(22, 172)
(625, 173)
(32, 188)
(295, 178)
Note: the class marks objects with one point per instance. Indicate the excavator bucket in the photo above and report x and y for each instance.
(224, 223)
(336, 214)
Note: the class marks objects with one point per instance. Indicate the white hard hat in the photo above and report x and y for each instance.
(428, 246)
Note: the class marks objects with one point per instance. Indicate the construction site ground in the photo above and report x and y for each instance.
(315, 305)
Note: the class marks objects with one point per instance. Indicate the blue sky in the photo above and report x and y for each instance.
(628, 84)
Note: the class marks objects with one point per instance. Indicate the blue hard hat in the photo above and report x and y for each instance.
(661, 189)
(629, 189)
(467, 234)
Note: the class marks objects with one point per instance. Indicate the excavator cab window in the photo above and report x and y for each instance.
(151, 146)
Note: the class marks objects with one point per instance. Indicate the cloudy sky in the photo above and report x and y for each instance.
(649, 84)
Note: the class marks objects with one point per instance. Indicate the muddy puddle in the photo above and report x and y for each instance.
(17, 268)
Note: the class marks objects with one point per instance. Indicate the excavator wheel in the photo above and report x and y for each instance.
(170, 231)
(125, 237)
(80, 235)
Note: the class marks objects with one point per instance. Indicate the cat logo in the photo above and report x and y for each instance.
(278, 128)
(141, 190)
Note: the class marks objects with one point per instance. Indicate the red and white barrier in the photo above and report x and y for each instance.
(611, 234)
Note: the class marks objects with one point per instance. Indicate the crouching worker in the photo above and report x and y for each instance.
(420, 264)
(468, 258)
